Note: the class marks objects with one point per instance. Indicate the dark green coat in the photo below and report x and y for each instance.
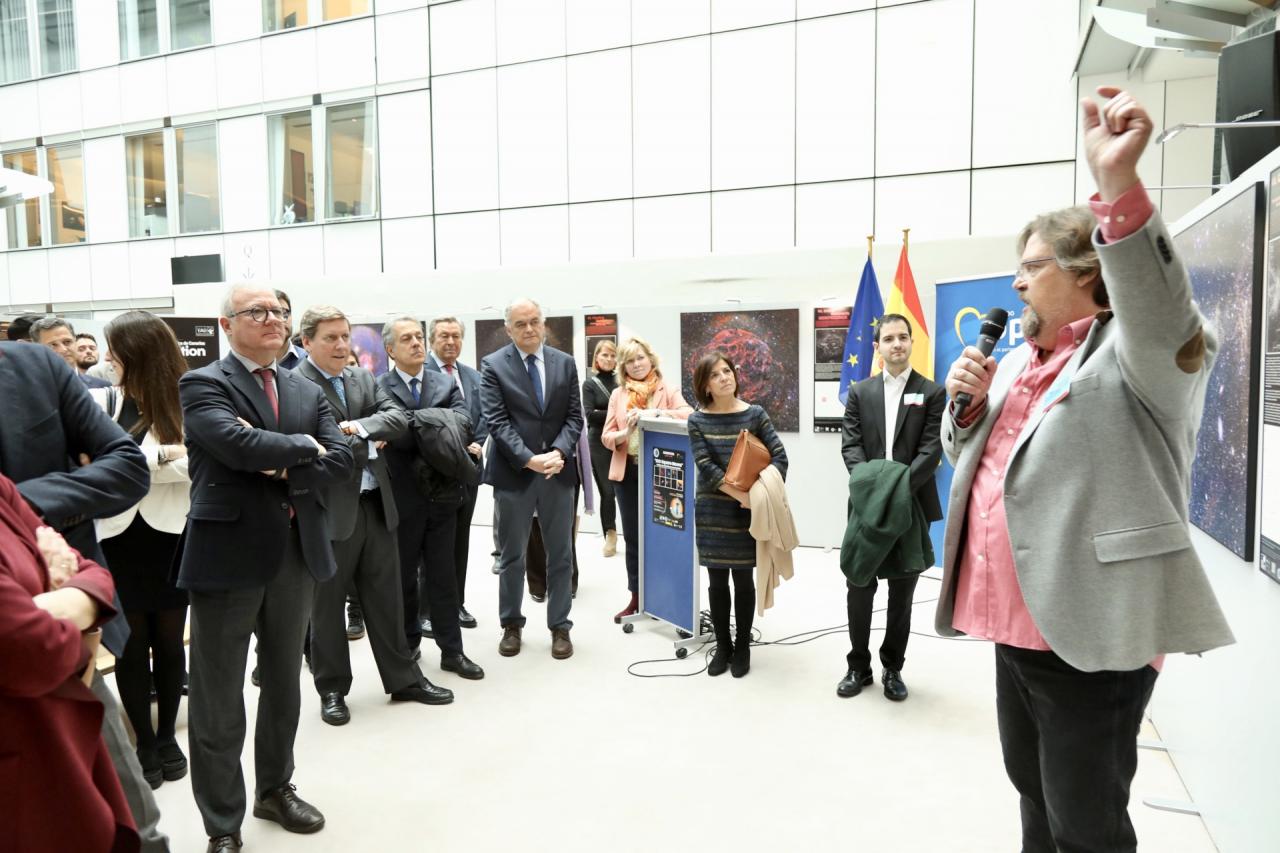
(887, 535)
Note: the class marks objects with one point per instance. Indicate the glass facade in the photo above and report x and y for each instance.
(57, 35)
(292, 168)
(66, 204)
(148, 197)
(196, 151)
(24, 218)
(351, 169)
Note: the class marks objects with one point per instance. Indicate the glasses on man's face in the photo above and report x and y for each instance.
(258, 314)
(1026, 270)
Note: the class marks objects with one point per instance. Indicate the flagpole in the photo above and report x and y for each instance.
(905, 232)
(871, 238)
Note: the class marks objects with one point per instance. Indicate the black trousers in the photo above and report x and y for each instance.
(628, 492)
(893, 649)
(462, 542)
(221, 623)
(425, 541)
(1070, 748)
(601, 458)
(535, 555)
(367, 560)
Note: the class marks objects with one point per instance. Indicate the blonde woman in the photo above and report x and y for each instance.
(596, 391)
(641, 389)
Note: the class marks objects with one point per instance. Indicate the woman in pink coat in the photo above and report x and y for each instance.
(641, 390)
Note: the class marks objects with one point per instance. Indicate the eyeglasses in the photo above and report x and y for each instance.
(1026, 270)
(258, 314)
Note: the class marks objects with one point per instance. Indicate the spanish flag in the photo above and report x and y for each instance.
(903, 299)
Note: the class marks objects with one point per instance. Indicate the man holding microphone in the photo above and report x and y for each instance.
(1067, 541)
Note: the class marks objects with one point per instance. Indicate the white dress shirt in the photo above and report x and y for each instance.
(539, 360)
(368, 481)
(894, 386)
(456, 374)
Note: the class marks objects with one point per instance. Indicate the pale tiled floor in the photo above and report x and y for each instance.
(578, 755)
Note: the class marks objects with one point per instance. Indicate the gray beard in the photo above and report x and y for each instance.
(1030, 323)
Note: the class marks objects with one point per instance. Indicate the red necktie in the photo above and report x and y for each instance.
(269, 386)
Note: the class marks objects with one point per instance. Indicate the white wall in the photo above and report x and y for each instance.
(1216, 712)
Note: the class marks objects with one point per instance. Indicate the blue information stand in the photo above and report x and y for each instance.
(668, 550)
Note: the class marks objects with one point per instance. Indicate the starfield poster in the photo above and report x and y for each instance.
(765, 346)
(491, 336)
(1223, 255)
(1269, 544)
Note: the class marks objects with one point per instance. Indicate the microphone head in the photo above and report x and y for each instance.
(994, 323)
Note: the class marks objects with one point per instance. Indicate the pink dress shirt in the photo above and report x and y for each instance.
(989, 603)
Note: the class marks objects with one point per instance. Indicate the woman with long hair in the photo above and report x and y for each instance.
(722, 513)
(641, 389)
(140, 543)
(596, 390)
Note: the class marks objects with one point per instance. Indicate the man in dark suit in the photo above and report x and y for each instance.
(428, 523)
(896, 415)
(534, 410)
(60, 336)
(262, 444)
(73, 464)
(444, 335)
(362, 512)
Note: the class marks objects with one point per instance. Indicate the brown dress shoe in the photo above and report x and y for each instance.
(510, 645)
(561, 648)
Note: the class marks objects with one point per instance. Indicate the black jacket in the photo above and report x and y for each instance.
(443, 467)
(438, 392)
(595, 402)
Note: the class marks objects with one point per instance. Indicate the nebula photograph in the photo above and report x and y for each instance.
(1221, 252)
(765, 346)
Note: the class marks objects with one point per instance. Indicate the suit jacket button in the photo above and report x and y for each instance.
(1163, 246)
(284, 505)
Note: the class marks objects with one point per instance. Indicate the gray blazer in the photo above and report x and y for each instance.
(1096, 489)
(369, 405)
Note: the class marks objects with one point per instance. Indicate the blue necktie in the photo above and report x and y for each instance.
(336, 382)
(532, 361)
(413, 389)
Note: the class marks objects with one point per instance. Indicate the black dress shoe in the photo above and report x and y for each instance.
(465, 619)
(285, 807)
(254, 678)
(172, 762)
(334, 710)
(463, 666)
(853, 682)
(224, 844)
(426, 693)
(424, 627)
(538, 596)
(894, 689)
(355, 624)
(416, 656)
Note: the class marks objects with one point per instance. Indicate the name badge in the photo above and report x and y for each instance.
(913, 399)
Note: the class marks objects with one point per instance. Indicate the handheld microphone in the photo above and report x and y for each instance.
(992, 331)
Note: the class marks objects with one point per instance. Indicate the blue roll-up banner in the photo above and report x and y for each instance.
(960, 306)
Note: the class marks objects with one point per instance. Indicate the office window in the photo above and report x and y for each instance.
(24, 218)
(196, 150)
(344, 135)
(59, 217)
(57, 35)
(189, 24)
(292, 165)
(15, 42)
(283, 14)
(335, 9)
(37, 37)
(176, 163)
(66, 173)
(351, 163)
(148, 203)
(148, 27)
(286, 14)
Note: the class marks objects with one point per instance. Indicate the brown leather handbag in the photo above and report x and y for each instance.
(749, 458)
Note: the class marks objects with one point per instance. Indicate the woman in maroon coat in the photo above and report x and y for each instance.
(59, 789)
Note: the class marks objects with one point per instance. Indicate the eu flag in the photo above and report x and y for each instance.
(859, 354)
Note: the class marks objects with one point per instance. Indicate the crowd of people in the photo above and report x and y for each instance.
(127, 495)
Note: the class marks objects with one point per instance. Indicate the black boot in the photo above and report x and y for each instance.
(719, 600)
(744, 611)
